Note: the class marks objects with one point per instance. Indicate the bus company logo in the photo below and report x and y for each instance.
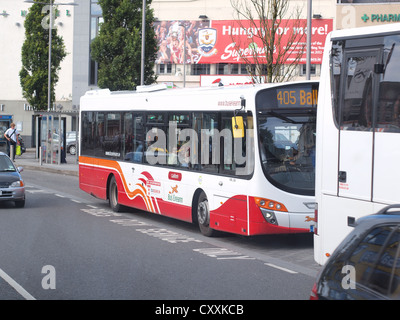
(207, 40)
(174, 189)
(173, 195)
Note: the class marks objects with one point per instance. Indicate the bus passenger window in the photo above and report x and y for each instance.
(127, 143)
(206, 126)
(388, 106)
(357, 96)
(112, 141)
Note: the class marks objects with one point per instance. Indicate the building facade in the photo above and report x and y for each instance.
(79, 24)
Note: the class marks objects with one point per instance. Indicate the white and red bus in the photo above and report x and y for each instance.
(358, 130)
(237, 159)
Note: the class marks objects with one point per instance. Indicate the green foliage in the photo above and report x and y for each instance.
(117, 48)
(35, 57)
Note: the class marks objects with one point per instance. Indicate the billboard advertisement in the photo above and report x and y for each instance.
(228, 41)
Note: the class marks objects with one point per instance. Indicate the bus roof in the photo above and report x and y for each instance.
(159, 97)
(365, 31)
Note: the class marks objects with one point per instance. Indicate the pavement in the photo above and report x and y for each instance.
(29, 161)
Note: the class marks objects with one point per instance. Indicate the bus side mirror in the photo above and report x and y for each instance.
(237, 127)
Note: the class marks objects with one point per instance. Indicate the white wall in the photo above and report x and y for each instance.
(12, 36)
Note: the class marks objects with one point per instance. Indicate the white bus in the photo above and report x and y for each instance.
(235, 159)
(358, 131)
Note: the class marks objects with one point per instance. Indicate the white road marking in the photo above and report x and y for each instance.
(130, 222)
(59, 195)
(280, 268)
(223, 254)
(167, 235)
(16, 286)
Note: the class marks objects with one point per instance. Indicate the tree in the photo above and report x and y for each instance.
(275, 39)
(35, 57)
(117, 48)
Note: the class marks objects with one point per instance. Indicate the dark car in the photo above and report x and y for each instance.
(366, 265)
(11, 184)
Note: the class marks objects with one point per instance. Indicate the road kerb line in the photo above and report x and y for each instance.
(16, 286)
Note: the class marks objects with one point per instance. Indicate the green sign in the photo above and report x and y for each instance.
(381, 17)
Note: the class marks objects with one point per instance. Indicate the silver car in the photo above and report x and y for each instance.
(12, 187)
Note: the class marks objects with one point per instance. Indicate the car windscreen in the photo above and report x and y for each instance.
(6, 164)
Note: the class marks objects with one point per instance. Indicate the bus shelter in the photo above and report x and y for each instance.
(51, 135)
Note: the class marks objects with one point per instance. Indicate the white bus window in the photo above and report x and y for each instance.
(134, 137)
(357, 95)
(336, 71)
(206, 126)
(237, 153)
(388, 112)
(99, 133)
(112, 140)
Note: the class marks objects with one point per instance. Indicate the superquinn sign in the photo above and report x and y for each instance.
(225, 41)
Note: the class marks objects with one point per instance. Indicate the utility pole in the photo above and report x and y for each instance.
(309, 31)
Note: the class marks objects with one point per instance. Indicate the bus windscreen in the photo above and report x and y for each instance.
(286, 118)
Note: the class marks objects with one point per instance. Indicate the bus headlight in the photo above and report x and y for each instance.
(269, 216)
(270, 204)
(268, 207)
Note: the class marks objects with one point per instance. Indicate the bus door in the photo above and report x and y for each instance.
(236, 165)
(356, 136)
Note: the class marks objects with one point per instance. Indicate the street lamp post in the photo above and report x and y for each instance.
(184, 54)
(143, 42)
(308, 54)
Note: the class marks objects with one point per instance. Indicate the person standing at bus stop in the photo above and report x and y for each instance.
(12, 137)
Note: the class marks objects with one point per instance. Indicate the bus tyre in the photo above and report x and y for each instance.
(113, 195)
(203, 216)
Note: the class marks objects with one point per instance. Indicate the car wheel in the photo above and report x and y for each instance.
(203, 216)
(72, 150)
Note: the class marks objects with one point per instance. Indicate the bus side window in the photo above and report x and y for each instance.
(388, 107)
(127, 143)
(99, 134)
(112, 141)
(138, 137)
(205, 125)
(357, 96)
(87, 133)
(237, 154)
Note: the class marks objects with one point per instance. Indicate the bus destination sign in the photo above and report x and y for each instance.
(297, 97)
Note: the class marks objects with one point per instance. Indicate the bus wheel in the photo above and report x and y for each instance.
(203, 216)
(113, 195)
